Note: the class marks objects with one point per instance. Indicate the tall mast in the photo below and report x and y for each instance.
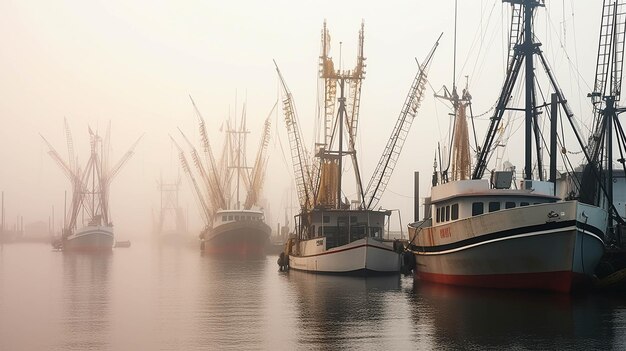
(459, 150)
(529, 51)
(342, 111)
(238, 166)
(522, 51)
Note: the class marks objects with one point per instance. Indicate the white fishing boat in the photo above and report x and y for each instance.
(88, 225)
(90, 238)
(334, 235)
(348, 241)
(497, 232)
(505, 238)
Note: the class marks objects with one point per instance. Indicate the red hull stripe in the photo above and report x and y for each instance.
(562, 281)
(348, 249)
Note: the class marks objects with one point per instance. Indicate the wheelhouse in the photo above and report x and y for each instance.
(341, 227)
(227, 216)
(464, 199)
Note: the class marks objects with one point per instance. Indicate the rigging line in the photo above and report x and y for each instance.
(481, 41)
(566, 54)
(454, 62)
(576, 53)
(451, 141)
(504, 41)
(398, 194)
(622, 144)
(279, 140)
(478, 38)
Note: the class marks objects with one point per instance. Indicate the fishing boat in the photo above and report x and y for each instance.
(94, 237)
(333, 234)
(241, 232)
(498, 232)
(232, 226)
(348, 241)
(88, 225)
(170, 224)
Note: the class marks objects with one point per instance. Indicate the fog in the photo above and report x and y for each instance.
(134, 64)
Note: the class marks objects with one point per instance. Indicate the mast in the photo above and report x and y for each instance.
(528, 50)
(342, 111)
(605, 97)
(459, 143)
(523, 52)
(238, 166)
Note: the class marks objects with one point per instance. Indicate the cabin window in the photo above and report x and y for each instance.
(494, 206)
(223, 218)
(230, 218)
(438, 214)
(524, 204)
(331, 237)
(447, 213)
(509, 204)
(442, 215)
(455, 212)
(357, 232)
(376, 232)
(236, 218)
(326, 219)
(477, 208)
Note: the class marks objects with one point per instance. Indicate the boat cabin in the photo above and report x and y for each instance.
(227, 216)
(467, 198)
(341, 227)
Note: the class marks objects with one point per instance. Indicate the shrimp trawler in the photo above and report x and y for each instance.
(232, 227)
(88, 225)
(496, 232)
(170, 224)
(333, 234)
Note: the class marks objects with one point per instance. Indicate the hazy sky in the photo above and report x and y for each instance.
(134, 63)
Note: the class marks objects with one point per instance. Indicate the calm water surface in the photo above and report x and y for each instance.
(151, 297)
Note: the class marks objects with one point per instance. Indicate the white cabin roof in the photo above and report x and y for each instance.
(477, 187)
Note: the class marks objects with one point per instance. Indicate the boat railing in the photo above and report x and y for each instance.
(418, 229)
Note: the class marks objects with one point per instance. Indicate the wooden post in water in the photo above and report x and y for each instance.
(2, 224)
(416, 196)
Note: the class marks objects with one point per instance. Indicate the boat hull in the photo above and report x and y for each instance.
(364, 256)
(557, 253)
(90, 238)
(242, 238)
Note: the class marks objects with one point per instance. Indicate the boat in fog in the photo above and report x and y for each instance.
(88, 225)
(334, 234)
(231, 226)
(170, 223)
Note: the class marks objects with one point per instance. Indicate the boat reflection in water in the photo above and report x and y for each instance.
(361, 312)
(86, 301)
(470, 318)
(232, 299)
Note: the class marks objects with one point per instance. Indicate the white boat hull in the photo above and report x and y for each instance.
(90, 238)
(358, 257)
(521, 248)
